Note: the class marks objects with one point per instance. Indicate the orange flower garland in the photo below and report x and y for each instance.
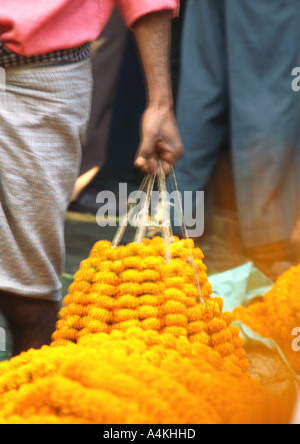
(133, 286)
(170, 360)
(154, 378)
(277, 314)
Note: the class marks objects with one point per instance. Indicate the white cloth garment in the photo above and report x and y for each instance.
(44, 113)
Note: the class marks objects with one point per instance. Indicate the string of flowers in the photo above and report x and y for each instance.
(136, 318)
(277, 314)
(154, 378)
(133, 286)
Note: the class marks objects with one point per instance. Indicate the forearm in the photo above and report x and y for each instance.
(160, 138)
(153, 36)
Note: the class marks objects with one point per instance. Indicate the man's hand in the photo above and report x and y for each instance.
(160, 138)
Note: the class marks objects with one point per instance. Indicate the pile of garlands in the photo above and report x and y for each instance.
(134, 286)
(140, 340)
(277, 314)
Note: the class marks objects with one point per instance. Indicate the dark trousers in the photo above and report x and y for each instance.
(106, 62)
(236, 65)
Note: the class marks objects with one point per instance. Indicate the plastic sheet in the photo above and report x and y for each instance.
(240, 286)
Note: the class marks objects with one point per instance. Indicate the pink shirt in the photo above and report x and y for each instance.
(31, 27)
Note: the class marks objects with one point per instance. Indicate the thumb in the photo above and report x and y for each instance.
(145, 153)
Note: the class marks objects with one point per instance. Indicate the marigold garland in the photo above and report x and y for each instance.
(154, 378)
(146, 291)
(136, 318)
(277, 314)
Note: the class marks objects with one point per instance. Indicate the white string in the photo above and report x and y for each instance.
(142, 230)
(120, 233)
(148, 185)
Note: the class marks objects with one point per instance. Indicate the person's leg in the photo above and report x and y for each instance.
(31, 321)
(106, 63)
(43, 117)
(202, 97)
(263, 48)
(124, 133)
(177, 26)
(123, 136)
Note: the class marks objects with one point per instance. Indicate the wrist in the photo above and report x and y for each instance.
(162, 101)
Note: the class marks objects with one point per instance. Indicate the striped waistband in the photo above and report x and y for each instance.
(9, 59)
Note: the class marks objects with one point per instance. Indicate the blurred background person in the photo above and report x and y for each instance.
(123, 136)
(107, 55)
(236, 65)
